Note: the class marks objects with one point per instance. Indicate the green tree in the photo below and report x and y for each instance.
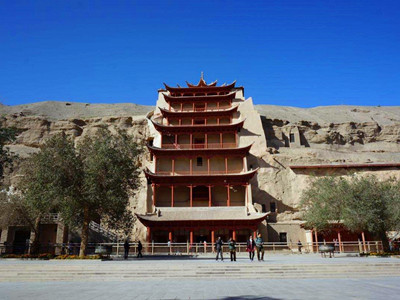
(45, 178)
(322, 202)
(360, 204)
(94, 179)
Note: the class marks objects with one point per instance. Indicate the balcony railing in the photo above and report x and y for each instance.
(200, 146)
(201, 109)
(211, 172)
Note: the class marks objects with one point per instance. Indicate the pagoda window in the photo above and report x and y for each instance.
(173, 121)
(199, 121)
(217, 165)
(224, 121)
(198, 142)
(187, 107)
(237, 195)
(228, 140)
(182, 165)
(272, 206)
(183, 141)
(212, 121)
(224, 104)
(163, 196)
(235, 165)
(200, 196)
(292, 137)
(175, 106)
(220, 195)
(200, 107)
(199, 161)
(186, 121)
(168, 141)
(212, 106)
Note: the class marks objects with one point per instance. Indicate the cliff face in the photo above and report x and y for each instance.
(293, 136)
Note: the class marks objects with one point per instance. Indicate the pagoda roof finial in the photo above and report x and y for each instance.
(202, 75)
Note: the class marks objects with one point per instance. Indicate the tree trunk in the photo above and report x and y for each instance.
(385, 241)
(85, 232)
(35, 243)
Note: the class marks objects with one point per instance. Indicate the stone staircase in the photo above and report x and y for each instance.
(36, 271)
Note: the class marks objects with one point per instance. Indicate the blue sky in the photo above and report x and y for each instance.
(297, 53)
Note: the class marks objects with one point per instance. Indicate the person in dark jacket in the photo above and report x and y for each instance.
(126, 247)
(260, 247)
(250, 247)
(218, 248)
(232, 249)
(139, 248)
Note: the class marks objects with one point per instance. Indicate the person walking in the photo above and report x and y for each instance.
(139, 248)
(218, 248)
(232, 249)
(260, 247)
(250, 247)
(126, 248)
(300, 245)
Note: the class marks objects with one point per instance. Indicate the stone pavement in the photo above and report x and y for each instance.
(279, 277)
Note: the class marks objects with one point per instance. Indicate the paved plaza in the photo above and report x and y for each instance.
(278, 277)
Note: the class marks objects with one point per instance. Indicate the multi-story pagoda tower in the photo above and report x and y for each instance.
(199, 178)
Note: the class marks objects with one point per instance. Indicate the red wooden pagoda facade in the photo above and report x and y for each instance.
(200, 180)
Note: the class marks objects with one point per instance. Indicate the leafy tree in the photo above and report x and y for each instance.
(322, 202)
(94, 179)
(361, 204)
(44, 178)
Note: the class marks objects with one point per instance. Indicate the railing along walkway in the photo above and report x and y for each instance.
(193, 249)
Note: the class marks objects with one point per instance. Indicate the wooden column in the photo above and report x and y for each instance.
(155, 163)
(255, 234)
(176, 141)
(193, 106)
(191, 167)
(228, 202)
(339, 241)
(170, 236)
(148, 238)
(236, 139)
(226, 165)
(191, 195)
(363, 240)
(191, 141)
(206, 141)
(173, 166)
(153, 187)
(246, 197)
(212, 239)
(209, 196)
(181, 106)
(191, 237)
(220, 139)
(172, 196)
(208, 165)
(234, 234)
(316, 240)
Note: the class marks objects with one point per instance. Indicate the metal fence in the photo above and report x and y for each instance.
(192, 249)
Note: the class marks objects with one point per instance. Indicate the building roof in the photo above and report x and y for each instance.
(184, 179)
(172, 129)
(214, 98)
(196, 151)
(201, 89)
(347, 166)
(176, 214)
(205, 113)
